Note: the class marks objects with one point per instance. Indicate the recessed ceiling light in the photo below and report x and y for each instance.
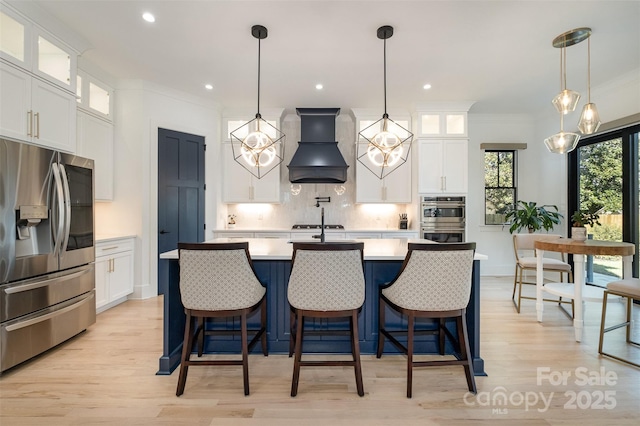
(319, 86)
(208, 86)
(147, 16)
(426, 86)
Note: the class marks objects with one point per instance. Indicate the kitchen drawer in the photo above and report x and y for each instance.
(108, 248)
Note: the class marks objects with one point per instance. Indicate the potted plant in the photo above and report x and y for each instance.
(529, 215)
(582, 218)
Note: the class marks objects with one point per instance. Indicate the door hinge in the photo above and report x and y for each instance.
(205, 186)
(204, 146)
(205, 226)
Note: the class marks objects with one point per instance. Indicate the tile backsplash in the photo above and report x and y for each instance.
(300, 207)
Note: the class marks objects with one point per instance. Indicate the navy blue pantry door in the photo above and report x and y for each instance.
(181, 192)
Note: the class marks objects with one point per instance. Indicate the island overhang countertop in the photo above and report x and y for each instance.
(282, 249)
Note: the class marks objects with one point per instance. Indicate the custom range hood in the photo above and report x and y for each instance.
(318, 159)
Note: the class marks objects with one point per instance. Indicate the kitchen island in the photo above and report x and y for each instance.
(272, 262)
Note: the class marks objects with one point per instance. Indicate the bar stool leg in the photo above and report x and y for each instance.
(381, 322)
(355, 351)
(298, 354)
(410, 325)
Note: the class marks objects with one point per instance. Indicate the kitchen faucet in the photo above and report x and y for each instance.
(321, 236)
(318, 201)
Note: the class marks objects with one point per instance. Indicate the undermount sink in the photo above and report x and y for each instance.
(327, 240)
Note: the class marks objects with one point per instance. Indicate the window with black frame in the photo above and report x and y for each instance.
(500, 191)
(603, 176)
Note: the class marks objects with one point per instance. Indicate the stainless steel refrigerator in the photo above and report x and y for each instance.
(47, 253)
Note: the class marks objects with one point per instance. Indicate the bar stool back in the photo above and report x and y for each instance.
(434, 282)
(630, 289)
(216, 281)
(327, 281)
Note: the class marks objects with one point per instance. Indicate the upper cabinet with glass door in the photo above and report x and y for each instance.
(26, 45)
(443, 120)
(94, 96)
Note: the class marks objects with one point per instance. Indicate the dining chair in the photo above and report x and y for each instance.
(326, 282)
(217, 280)
(434, 282)
(630, 289)
(523, 248)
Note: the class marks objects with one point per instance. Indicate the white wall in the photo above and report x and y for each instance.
(142, 108)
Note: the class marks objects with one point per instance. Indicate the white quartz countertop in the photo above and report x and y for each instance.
(281, 249)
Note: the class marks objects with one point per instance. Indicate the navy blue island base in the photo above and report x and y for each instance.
(274, 274)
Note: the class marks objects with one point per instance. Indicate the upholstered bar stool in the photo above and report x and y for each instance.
(523, 247)
(218, 281)
(327, 281)
(434, 282)
(629, 289)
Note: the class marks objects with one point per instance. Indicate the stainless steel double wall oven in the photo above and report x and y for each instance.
(47, 252)
(443, 218)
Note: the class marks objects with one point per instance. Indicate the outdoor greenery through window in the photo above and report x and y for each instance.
(499, 185)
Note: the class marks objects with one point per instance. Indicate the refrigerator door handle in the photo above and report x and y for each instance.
(60, 205)
(67, 208)
(28, 287)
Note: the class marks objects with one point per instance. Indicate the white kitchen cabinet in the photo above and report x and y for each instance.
(95, 141)
(240, 186)
(394, 188)
(443, 166)
(442, 124)
(29, 47)
(37, 82)
(36, 111)
(114, 272)
(94, 96)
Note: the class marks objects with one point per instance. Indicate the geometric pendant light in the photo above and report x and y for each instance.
(385, 145)
(567, 100)
(257, 145)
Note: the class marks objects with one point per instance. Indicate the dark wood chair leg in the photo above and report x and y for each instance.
(186, 351)
(465, 351)
(410, 326)
(355, 351)
(292, 331)
(245, 352)
(200, 327)
(442, 323)
(381, 322)
(298, 353)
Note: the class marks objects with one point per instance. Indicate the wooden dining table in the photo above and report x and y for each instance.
(578, 291)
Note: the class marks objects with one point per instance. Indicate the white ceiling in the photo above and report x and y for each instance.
(496, 53)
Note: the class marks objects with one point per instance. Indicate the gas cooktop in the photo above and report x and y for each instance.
(317, 227)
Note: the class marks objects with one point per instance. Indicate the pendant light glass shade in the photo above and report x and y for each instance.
(385, 145)
(566, 101)
(257, 145)
(562, 142)
(589, 119)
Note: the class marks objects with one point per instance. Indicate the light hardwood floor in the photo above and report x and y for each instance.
(107, 376)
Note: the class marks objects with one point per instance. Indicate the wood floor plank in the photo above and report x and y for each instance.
(106, 376)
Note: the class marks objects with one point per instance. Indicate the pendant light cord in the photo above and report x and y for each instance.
(258, 113)
(385, 79)
(589, 70)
